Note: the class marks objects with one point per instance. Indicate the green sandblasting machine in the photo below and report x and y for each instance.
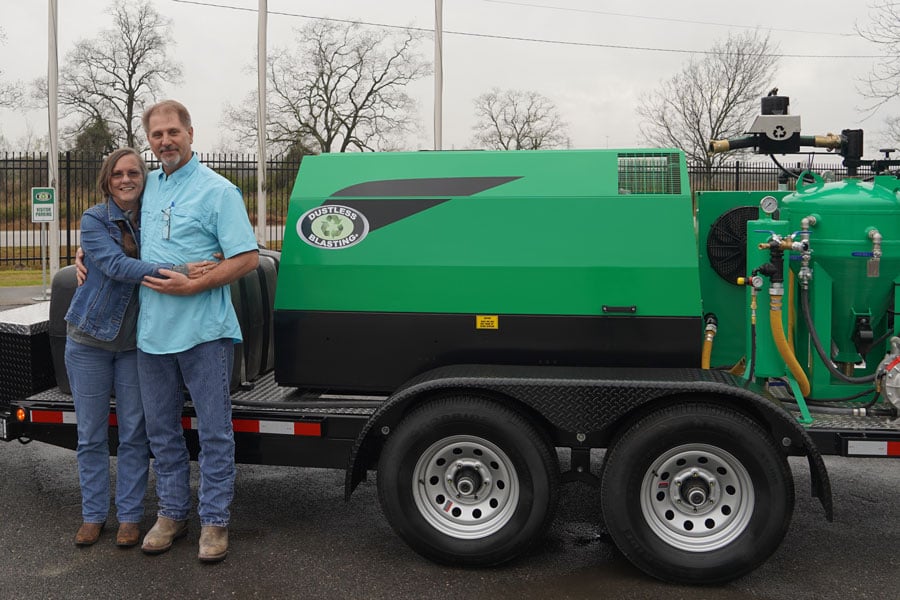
(396, 263)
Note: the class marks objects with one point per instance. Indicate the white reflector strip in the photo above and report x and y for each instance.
(300, 428)
(873, 448)
(283, 427)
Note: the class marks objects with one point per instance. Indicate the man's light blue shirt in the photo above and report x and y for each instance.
(187, 217)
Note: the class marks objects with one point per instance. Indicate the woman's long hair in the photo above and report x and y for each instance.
(129, 244)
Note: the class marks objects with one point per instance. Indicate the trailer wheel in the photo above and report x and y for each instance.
(465, 481)
(696, 493)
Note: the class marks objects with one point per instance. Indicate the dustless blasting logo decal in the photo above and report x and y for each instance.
(332, 227)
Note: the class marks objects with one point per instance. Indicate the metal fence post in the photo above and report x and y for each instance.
(68, 167)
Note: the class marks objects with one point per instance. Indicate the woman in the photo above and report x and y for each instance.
(101, 355)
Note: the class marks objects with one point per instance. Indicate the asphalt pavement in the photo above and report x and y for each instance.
(294, 536)
(26, 295)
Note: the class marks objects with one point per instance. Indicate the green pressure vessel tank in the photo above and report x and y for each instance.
(855, 242)
(395, 263)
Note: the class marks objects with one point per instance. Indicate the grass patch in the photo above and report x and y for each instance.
(21, 277)
(21, 266)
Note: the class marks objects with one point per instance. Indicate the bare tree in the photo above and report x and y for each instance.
(112, 76)
(30, 141)
(518, 120)
(891, 134)
(10, 94)
(342, 88)
(883, 82)
(713, 97)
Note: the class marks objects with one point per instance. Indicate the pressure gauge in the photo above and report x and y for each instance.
(769, 204)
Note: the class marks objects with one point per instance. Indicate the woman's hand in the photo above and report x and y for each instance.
(80, 269)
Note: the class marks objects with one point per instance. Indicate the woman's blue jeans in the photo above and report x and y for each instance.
(93, 375)
(206, 370)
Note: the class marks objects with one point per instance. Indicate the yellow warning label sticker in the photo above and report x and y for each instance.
(487, 322)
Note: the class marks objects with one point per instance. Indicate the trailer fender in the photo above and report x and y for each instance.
(569, 398)
(367, 447)
(792, 434)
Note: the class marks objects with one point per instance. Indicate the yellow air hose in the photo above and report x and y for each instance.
(711, 327)
(707, 350)
(792, 312)
(781, 343)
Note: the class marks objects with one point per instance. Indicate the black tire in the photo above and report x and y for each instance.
(465, 481)
(696, 493)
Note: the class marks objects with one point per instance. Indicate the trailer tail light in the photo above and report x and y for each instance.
(20, 415)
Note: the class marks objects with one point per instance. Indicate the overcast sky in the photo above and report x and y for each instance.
(593, 79)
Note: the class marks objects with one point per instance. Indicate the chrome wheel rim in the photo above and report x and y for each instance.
(465, 487)
(697, 497)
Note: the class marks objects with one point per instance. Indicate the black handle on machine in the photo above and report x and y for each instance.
(620, 309)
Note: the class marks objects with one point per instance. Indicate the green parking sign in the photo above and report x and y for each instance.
(43, 204)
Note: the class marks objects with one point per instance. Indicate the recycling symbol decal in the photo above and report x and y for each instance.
(332, 227)
(779, 133)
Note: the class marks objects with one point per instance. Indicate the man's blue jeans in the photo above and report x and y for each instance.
(206, 369)
(93, 374)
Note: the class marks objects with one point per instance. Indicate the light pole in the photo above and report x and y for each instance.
(53, 154)
(438, 71)
(261, 50)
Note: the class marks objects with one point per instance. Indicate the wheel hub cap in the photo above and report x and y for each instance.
(468, 479)
(697, 488)
(697, 497)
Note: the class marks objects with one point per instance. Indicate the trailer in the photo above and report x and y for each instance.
(451, 320)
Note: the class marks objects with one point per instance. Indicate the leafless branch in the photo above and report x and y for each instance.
(342, 88)
(712, 97)
(882, 83)
(518, 120)
(113, 76)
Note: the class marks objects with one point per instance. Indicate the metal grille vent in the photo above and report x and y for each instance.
(649, 173)
(726, 244)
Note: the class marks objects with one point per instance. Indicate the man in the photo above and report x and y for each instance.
(187, 329)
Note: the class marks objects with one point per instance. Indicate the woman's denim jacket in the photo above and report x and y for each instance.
(99, 305)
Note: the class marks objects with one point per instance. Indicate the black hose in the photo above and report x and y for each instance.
(842, 410)
(792, 172)
(844, 399)
(884, 337)
(752, 351)
(872, 402)
(804, 305)
(831, 401)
